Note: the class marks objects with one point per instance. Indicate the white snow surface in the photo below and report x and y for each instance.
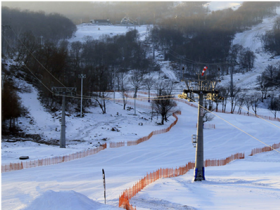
(65, 200)
(220, 5)
(252, 183)
(91, 31)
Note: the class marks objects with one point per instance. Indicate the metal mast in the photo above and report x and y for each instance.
(82, 76)
(200, 87)
(63, 91)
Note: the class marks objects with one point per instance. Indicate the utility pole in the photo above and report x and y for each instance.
(63, 91)
(200, 87)
(82, 76)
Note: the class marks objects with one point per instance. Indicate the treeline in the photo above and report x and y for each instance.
(11, 105)
(122, 52)
(51, 27)
(57, 65)
(206, 38)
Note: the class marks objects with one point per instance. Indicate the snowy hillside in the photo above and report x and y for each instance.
(91, 31)
(252, 40)
(251, 183)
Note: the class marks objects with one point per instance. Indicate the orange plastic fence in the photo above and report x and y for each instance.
(264, 149)
(51, 161)
(145, 138)
(117, 144)
(56, 160)
(167, 173)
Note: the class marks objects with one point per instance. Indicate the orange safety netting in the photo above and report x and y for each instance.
(167, 173)
(264, 149)
(56, 160)
(51, 161)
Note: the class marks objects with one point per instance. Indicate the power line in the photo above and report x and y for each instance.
(236, 127)
(38, 60)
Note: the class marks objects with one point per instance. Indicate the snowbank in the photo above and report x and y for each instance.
(65, 200)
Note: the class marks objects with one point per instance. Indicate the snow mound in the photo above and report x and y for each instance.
(66, 200)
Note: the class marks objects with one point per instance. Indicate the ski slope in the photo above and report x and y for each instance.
(92, 31)
(124, 166)
(252, 183)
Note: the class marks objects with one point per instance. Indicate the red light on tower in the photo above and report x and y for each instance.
(204, 69)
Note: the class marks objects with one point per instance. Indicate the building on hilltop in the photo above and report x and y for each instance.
(101, 22)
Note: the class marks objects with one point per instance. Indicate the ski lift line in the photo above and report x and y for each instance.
(32, 72)
(236, 126)
(38, 78)
(257, 116)
(38, 60)
(111, 99)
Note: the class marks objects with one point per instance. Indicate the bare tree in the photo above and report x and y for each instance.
(274, 105)
(164, 104)
(136, 80)
(124, 89)
(247, 59)
(234, 97)
(76, 52)
(224, 92)
(207, 116)
(270, 73)
(149, 82)
(255, 100)
(101, 99)
(248, 103)
(263, 85)
(240, 102)
(102, 82)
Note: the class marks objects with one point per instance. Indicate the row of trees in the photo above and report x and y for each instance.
(207, 38)
(55, 65)
(11, 104)
(239, 99)
(268, 80)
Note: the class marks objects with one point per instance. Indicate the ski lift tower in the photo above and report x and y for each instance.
(63, 91)
(200, 87)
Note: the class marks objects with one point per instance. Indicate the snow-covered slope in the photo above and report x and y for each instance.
(252, 183)
(92, 31)
(126, 165)
(220, 5)
(252, 39)
(65, 200)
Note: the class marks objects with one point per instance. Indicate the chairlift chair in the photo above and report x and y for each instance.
(194, 140)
